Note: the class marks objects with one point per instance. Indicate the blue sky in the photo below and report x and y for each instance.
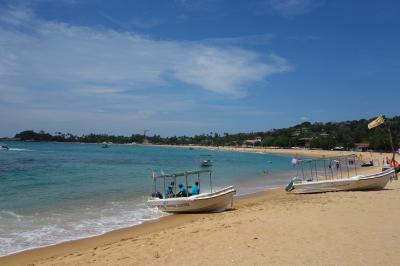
(191, 67)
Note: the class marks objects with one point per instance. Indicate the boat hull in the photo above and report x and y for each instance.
(371, 182)
(206, 202)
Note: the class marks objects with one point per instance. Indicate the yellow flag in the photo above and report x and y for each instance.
(378, 121)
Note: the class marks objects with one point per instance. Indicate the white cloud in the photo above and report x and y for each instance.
(53, 66)
(16, 15)
(60, 52)
(304, 118)
(227, 71)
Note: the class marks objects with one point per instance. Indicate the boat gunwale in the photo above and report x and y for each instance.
(206, 196)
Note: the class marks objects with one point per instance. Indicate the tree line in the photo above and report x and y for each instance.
(311, 135)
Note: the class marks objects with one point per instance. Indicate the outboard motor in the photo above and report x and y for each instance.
(157, 195)
(290, 186)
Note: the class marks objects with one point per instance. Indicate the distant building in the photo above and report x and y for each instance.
(362, 146)
(252, 142)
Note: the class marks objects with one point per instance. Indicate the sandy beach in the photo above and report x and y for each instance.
(269, 228)
(299, 152)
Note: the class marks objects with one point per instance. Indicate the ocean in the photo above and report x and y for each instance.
(55, 192)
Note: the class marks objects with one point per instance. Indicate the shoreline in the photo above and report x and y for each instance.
(161, 223)
(316, 153)
(60, 242)
(75, 248)
(237, 197)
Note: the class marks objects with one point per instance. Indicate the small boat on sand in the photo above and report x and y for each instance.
(360, 182)
(334, 178)
(367, 164)
(213, 201)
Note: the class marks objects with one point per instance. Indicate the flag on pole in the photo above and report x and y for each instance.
(378, 121)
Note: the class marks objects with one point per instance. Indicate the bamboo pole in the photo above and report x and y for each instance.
(164, 186)
(187, 188)
(355, 165)
(210, 183)
(175, 185)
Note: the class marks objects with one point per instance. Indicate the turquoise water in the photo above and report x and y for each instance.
(53, 192)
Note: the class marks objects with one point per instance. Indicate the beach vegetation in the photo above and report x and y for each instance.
(307, 135)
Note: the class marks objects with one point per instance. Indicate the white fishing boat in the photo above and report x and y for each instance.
(4, 148)
(213, 201)
(360, 182)
(332, 179)
(206, 163)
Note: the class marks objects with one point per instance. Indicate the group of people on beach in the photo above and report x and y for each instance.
(183, 192)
